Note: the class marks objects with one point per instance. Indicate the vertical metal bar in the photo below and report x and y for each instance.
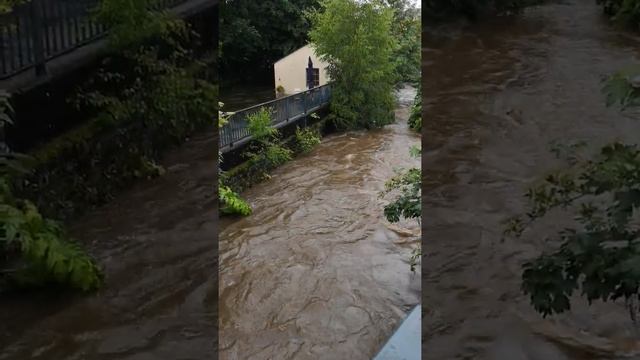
(2, 49)
(93, 28)
(76, 32)
(51, 21)
(28, 26)
(44, 26)
(84, 29)
(19, 41)
(304, 103)
(36, 33)
(64, 25)
(59, 25)
(12, 47)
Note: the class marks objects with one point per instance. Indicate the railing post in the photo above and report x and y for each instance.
(37, 30)
(304, 102)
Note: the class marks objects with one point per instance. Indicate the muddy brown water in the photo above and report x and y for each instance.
(243, 96)
(316, 272)
(157, 244)
(496, 94)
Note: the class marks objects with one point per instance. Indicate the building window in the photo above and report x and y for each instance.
(316, 77)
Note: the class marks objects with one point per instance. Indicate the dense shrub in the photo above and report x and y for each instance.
(306, 139)
(231, 202)
(623, 12)
(35, 250)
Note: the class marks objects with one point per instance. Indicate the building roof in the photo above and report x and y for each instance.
(293, 52)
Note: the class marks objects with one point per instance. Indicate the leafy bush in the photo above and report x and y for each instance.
(259, 125)
(306, 139)
(276, 155)
(35, 250)
(623, 12)
(232, 203)
(600, 255)
(265, 153)
(45, 253)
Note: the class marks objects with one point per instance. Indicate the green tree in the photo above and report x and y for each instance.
(255, 34)
(407, 29)
(355, 39)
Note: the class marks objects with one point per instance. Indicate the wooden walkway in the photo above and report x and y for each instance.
(286, 110)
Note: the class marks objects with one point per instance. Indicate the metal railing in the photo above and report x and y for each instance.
(285, 110)
(39, 30)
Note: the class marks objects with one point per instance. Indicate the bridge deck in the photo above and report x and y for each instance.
(286, 110)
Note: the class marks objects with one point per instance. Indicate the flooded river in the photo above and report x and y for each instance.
(156, 242)
(496, 94)
(243, 96)
(316, 272)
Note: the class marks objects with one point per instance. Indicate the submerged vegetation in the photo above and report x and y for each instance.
(600, 255)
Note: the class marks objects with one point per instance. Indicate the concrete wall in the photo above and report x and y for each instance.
(290, 71)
